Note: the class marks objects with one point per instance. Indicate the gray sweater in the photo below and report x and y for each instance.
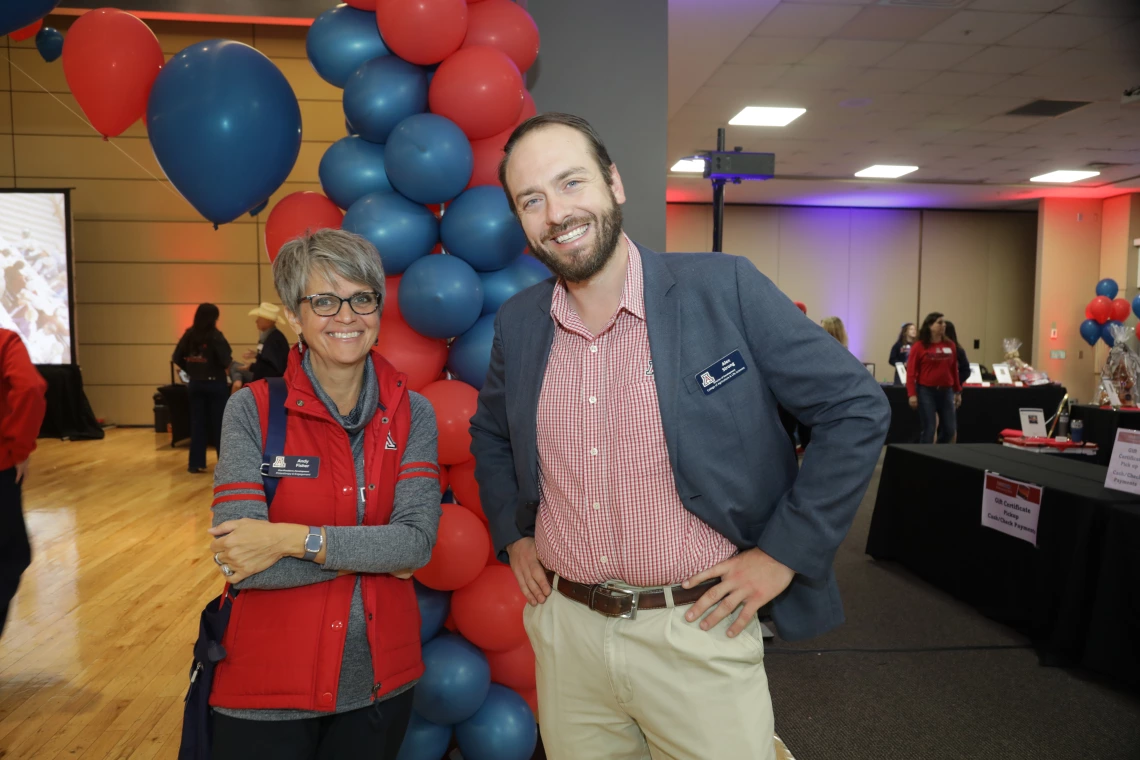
(405, 543)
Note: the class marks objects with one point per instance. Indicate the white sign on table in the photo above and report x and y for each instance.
(1011, 506)
(902, 371)
(1033, 423)
(1001, 372)
(975, 374)
(1124, 465)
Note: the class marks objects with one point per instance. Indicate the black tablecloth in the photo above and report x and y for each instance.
(177, 400)
(984, 414)
(1101, 426)
(68, 414)
(1076, 594)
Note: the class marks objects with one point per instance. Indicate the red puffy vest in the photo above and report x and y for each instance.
(284, 647)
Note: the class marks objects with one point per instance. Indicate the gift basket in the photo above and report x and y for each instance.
(1121, 370)
(1019, 370)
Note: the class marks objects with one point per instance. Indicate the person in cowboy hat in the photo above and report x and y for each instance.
(272, 348)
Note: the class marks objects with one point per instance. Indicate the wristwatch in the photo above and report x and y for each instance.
(313, 543)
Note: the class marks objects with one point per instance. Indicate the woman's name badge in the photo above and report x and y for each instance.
(292, 467)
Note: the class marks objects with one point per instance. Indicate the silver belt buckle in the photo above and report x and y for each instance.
(617, 590)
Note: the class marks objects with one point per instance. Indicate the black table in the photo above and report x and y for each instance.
(177, 400)
(1076, 595)
(1101, 425)
(69, 414)
(984, 414)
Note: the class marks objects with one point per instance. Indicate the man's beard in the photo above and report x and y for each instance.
(583, 265)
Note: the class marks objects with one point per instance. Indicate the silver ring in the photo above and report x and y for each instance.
(216, 560)
(226, 571)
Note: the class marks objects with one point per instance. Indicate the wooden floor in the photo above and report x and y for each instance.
(95, 657)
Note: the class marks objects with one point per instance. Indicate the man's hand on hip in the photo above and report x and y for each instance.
(529, 571)
(751, 578)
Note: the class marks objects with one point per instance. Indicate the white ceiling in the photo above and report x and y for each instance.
(908, 82)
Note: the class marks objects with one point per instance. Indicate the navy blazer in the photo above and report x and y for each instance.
(732, 463)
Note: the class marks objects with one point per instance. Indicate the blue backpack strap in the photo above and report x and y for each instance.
(275, 436)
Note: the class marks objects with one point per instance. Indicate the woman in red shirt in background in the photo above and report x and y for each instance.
(932, 381)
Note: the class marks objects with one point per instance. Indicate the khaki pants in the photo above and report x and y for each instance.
(653, 687)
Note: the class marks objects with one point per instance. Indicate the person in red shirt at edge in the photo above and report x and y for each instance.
(932, 380)
(22, 407)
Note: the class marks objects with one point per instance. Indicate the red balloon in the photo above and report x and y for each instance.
(460, 552)
(449, 624)
(478, 88)
(454, 402)
(489, 151)
(1121, 309)
(465, 488)
(506, 26)
(110, 60)
(421, 358)
(364, 5)
(296, 214)
(489, 609)
(422, 31)
(1100, 309)
(513, 668)
(29, 31)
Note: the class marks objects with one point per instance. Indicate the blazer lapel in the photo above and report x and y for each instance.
(537, 339)
(663, 321)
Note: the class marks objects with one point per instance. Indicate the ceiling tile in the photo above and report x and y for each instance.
(929, 56)
(739, 75)
(1026, 87)
(1120, 8)
(879, 22)
(773, 50)
(949, 122)
(1019, 6)
(999, 59)
(889, 80)
(789, 20)
(1073, 64)
(1008, 123)
(1016, 140)
(851, 53)
(1122, 37)
(916, 102)
(985, 106)
(979, 27)
(817, 77)
(960, 83)
(967, 138)
(1059, 31)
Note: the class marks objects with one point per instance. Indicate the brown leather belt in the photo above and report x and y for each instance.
(616, 601)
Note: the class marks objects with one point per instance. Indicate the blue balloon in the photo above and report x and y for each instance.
(225, 127)
(470, 354)
(402, 231)
(434, 606)
(1107, 288)
(455, 680)
(424, 740)
(1106, 332)
(259, 208)
(428, 158)
(352, 168)
(49, 41)
(1136, 306)
(348, 128)
(503, 729)
(1090, 331)
(480, 228)
(341, 40)
(16, 14)
(440, 296)
(516, 277)
(382, 93)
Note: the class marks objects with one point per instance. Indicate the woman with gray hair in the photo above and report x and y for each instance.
(322, 649)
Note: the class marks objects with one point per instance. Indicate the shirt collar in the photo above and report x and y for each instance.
(632, 293)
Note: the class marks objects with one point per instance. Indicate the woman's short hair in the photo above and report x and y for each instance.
(834, 326)
(325, 252)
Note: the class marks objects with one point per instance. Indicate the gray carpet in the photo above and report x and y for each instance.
(995, 703)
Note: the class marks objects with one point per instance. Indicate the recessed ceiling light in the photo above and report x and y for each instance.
(689, 165)
(766, 116)
(885, 171)
(1063, 175)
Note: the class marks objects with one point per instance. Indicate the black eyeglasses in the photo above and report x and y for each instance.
(328, 305)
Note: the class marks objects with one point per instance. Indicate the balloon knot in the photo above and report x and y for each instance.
(106, 139)
(215, 226)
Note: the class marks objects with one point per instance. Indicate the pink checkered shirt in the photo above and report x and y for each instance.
(608, 507)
